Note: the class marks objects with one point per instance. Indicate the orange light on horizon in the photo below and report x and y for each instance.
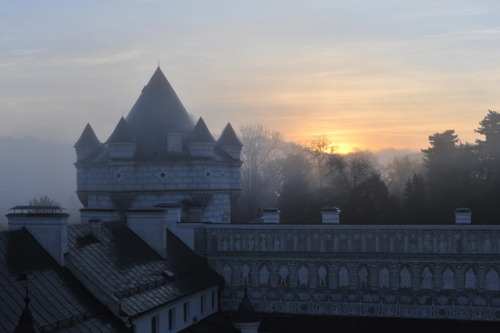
(343, 148)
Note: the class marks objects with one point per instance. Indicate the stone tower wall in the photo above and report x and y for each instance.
(150, 184)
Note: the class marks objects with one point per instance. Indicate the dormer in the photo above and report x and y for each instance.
(201, 143)
(86, 144)
(230, 143)
(121, 143)
(174, 140)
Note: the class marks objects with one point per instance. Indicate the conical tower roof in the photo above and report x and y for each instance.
(157, 110)
(201, 133)
(122, 133)
(88, 138)
(26, 323)
(229, 137)
(246, 313)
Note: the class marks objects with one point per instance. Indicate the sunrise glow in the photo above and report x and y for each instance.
(369, 75)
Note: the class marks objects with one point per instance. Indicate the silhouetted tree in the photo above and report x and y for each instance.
(415, 200)
(449, 173)
(346, 172)
(489, 167)
(296, 201)
(258, 172)
(369, 203)
(399, 170)
(320, 148)
(43, 201)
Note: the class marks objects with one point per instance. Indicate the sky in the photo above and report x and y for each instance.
(367, 74)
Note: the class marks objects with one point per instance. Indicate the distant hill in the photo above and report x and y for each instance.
(32, 168)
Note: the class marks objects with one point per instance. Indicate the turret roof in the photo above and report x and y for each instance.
(200, 133)
(122, 133)
(157, 110)
(229, 137)
(246, 313)
(26, 323)
(88, 138)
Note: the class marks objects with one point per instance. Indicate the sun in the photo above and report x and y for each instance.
(342, 148)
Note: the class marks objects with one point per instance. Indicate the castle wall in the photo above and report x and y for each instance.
(157, 177)
(447, 272)
(144, 185)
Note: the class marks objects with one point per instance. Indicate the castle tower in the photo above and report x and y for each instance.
(157, 156)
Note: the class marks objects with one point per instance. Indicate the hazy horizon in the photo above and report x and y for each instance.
(369, 75)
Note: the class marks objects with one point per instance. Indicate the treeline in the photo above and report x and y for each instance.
(420, 188)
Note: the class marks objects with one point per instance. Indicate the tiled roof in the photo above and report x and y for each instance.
(157, 110)
(88, 138)
(131, 271)
(57, 300)
(200, 133)
(122, 133)
(229, 137)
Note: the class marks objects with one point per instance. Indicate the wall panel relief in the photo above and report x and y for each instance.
(375, 271)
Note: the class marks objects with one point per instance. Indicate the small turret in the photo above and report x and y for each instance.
(245, 319)
(230, 143)
(86, 144)
(201, 143)
(26, 322)
(121, 143)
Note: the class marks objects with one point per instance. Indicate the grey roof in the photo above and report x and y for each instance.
(88, 138)
(122, 133)
(229, 137)
(157, 110)
(200, 133)
(128, 268)
(56, 297)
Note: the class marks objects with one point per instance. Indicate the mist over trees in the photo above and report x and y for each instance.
(301, 179)
(415, 188)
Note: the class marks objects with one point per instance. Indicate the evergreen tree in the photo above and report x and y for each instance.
(415, 199)
(489, 167)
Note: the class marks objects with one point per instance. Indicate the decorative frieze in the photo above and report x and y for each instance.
(446, 272)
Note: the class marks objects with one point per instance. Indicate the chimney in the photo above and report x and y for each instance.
(95, 228)
(271, 215)
(47, 224)
(184, 231)
(330, 215)
(463, 216)
(151, 226)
